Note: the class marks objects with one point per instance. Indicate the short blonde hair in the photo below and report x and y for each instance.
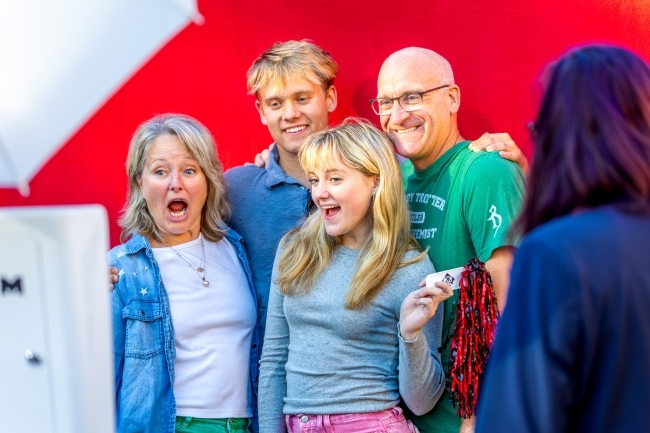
(289, 61)
(136, 217)
(361, 146)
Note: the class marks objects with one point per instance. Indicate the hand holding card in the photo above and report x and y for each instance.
(451, 277)
(421, 305)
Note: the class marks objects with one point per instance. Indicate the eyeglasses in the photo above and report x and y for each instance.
(408, 101)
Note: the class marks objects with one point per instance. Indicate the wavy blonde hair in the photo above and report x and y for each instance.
(291, 60)
(308, 249)
(199, 142)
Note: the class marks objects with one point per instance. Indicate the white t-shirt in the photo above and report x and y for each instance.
(213, 328)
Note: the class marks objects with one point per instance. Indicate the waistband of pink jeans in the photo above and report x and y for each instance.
(394, 412)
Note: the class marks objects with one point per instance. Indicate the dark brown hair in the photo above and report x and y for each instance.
(592, 136)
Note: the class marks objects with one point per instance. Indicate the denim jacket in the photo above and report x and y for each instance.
(144, 339)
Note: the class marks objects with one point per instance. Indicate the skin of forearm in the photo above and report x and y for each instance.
(499, 265)
(468, 425)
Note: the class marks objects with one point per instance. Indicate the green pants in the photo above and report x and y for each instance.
(220, 425)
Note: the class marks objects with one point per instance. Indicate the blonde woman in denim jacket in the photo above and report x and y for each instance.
(184, 308)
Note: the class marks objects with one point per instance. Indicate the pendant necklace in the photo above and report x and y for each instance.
(199, 269)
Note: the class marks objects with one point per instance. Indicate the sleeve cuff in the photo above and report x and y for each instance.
(399, 335)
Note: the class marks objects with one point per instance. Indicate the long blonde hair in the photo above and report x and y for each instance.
(308, 249)
(136, 217)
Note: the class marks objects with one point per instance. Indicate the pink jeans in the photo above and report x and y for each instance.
(386, 421)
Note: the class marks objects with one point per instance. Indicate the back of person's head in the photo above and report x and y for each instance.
(358, 145)
(290, 61)
(592, 136)
(200, 144)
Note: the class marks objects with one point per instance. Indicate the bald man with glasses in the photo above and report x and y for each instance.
(462, 202)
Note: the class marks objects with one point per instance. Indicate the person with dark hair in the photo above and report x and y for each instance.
(572, 352)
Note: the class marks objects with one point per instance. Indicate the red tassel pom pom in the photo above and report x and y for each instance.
(477, 315)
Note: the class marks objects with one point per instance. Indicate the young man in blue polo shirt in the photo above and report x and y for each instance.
(293, 85)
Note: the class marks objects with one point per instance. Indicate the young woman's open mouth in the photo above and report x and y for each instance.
(330, 211)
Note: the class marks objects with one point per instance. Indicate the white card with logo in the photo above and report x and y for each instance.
(451, 277)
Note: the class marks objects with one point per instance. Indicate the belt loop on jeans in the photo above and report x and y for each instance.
(186, 422)
(327, 424)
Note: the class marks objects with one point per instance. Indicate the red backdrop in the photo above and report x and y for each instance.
(498, 50)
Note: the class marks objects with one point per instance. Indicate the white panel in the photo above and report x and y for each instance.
(70, 244)
(24, 385)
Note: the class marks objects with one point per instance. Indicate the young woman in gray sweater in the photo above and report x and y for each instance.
(349, 333)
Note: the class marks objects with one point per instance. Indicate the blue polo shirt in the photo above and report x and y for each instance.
(266, 204)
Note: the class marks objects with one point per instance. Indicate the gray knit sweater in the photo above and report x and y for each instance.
(320, 358)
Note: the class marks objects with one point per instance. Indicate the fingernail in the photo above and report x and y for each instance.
(490, 148)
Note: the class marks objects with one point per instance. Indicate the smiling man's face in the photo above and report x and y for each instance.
(424, 134)
(292, 113)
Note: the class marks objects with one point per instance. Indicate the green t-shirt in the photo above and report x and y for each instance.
(462, 206)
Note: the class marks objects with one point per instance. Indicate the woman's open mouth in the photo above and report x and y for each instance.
(177, 209)
(331, 211)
